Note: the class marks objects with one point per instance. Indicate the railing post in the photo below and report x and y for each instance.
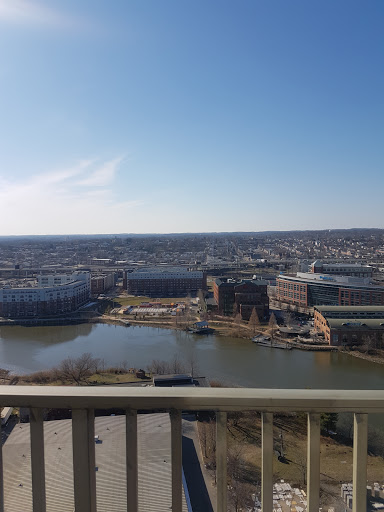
(221, 461)
(37, 460)
(267, 461)
(313, 462)
(360, 449)
(176, 447)
(132, 461)
(83, 444)
(1, 473)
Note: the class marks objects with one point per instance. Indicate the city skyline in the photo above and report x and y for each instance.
(174, 118)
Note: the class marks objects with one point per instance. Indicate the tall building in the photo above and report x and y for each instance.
(170, 282)
(241, 296)
(306, 290)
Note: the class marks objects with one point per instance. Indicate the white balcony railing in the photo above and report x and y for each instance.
(84, 400)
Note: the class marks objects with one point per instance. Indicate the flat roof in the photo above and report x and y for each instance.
(154, 455)
(327, 280)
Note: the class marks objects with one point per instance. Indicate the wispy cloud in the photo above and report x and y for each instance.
(31, 12)
(79, 199)
(102, 176)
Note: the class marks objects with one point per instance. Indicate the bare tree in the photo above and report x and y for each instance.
(237, 323)
(176, 366)
(272, 325)
(77, 370)
(191, 362)
(254, 321)
(240, 496)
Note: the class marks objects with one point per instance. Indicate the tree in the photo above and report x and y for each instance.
(272, 325)
(77, 370)
(240, 496)
(328, 421)
(254, 320)
(191, 362)
(202, 303)
(237, 322)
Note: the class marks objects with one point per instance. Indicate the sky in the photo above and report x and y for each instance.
(161, 116)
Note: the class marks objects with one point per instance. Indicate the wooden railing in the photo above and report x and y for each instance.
(84, 400)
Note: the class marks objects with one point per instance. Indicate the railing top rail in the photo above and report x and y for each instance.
(218, 399)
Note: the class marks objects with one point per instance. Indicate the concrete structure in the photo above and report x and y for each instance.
(121, 480)
(352, 325)
(241, 296)
(168, 282)
(342, 269)
(52, 295)
(307, 290)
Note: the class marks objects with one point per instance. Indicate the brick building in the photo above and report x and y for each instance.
(343, 325)
(165, 282)
(241, 296)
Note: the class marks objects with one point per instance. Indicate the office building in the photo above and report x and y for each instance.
(307, 290)
(350, 325)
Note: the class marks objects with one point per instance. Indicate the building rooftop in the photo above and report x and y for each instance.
(327, 280)
(154, 453)
(349, 308)
(356, 323)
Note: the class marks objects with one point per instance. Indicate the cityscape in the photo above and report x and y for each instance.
(268, 290)
(191, 256)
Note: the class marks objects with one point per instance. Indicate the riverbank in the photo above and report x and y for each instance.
(379, 359)
(222, 326)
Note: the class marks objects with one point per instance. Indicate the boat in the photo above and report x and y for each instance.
(265, 341)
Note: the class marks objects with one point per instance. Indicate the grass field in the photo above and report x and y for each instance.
(113, 378)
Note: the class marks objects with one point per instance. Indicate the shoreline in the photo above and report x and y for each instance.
(219, 330)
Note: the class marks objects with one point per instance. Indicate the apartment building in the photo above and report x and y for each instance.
(165, 282)
(56, 295)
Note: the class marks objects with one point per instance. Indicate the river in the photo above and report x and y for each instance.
(230, 360)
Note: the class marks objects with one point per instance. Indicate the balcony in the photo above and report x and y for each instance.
(84, 400)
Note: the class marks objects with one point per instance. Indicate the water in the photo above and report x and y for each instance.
(231, 360)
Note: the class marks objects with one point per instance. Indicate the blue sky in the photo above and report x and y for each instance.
(190, 116)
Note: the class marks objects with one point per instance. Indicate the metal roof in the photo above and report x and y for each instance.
(356, 323)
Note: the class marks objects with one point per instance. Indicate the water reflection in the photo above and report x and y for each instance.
(231, 360)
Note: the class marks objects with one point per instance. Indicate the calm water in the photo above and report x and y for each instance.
(234, 361)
